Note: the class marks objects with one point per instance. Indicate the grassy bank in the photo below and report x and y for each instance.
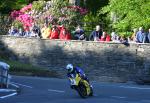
(18, 68)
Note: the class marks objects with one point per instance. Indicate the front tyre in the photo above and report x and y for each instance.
(82, 90)
(91, 93)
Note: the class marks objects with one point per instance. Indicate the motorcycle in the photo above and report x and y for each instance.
(83, 87)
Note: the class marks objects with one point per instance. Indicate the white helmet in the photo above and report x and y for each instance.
(69, 67)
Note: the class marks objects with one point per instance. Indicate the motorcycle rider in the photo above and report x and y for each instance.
(73, 70)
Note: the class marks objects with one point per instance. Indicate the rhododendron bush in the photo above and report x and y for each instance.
(23, 16)
(54, 11)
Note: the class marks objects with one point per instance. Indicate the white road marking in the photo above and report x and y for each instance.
(2, 97)
(14, 85)
(7, 90)
(118, 97)
(130, 87)
(22, 85)
(59, 91)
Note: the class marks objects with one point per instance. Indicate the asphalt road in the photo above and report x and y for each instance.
(50, 90)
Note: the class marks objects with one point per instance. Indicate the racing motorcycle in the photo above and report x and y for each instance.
(82, 86)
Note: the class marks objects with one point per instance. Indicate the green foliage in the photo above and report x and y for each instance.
(90, 21)
(124, 34)
(129, 13)
(61, 9)
(38, 5)
(17, 24)
(4, 24)
(93, 18)
(94, 5)
(57, 6)
(18, 68)
(7, 6)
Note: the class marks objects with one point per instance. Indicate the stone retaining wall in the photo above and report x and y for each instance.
(101, 61)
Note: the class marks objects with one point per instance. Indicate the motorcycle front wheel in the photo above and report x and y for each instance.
(82, 90)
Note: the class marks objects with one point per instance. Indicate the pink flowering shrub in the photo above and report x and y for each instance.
(79, 9)
(23, 16)
(26, 20)
(26, 8)
(14, 14)
(60, 13)
(72, 15)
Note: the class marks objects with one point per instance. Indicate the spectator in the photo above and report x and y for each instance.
(114, 37)
(79, 34)
(148, 36)
(123, 39)
(133, 37)
(140, 36)
(20, 33)
(64, 34)
(105, 37)
(54, 33)
(27, 32)
(96, 35)
(45, 31)
(13, 31)
(36, 30)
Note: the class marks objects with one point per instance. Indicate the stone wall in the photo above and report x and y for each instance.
(101, 61)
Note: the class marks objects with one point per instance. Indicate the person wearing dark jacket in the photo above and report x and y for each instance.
(96, 35)
(79, 34)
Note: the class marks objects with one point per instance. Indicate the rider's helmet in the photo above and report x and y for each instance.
(69, 67)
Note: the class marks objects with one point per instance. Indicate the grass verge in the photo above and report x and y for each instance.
(21, 69)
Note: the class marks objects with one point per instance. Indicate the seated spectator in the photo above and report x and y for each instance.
(27, 33)
(64, 34)
(45, 31)
(133, 37)
(13, 31)
(20, 33)
(36, 30)
(148, 36)
(123, 39)
(54, 33)
(105, 37)
(114, 37)
(96, 35)
(34, 33)
(79, 34)
(140, 36)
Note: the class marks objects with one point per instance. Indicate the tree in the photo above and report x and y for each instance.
(66, 13)
(6, 6)
(128, 14)
(92, 18)
(94, 5)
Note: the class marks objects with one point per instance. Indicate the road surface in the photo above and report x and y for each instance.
(50, 90)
